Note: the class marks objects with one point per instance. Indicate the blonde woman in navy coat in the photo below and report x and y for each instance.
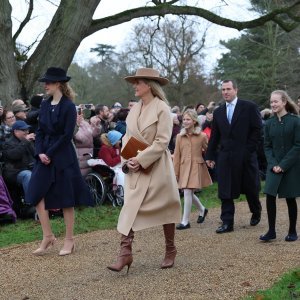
(282, 149)
(56, 181)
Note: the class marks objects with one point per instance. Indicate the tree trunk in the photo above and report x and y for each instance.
(61, 40)
(9, 83)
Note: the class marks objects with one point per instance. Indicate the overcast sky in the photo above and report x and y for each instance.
(116, 36)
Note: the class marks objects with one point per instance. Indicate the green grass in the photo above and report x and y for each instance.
(287, 288)
(87, 219)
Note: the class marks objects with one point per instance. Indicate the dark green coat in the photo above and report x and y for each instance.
(282, 148)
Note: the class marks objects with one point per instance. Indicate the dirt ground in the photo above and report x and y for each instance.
(208, 265)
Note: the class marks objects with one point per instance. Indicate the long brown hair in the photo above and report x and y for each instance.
(290, 105)
(67, 91)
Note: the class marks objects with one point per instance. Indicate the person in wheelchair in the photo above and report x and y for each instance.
(106, 181)
(110, 153)
(18, 156)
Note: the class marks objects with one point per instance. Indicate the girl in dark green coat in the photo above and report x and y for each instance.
(282, 149)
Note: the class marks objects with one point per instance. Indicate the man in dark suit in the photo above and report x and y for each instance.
(236, 133)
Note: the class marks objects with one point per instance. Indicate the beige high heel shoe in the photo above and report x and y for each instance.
(47, 242)
(64, 252)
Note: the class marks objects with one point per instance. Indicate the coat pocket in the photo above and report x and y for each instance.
(133, 178)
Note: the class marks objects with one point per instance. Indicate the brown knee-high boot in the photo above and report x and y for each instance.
(169, 231)
(125, 256)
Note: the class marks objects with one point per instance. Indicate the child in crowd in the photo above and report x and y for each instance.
(190, 168)
(110, 153)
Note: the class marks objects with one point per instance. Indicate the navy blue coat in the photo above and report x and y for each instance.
(237, 143)
(60, 183)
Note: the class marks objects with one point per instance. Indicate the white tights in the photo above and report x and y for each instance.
(189, 198)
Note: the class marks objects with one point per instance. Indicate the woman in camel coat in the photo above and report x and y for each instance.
(151, 198)
(190, 168)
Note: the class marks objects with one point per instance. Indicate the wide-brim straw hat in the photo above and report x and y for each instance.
(147, 73)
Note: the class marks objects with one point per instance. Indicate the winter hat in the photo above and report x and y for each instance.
(36, 101)
(114, 136)
(19, 108)
(54, 74)
(20, 125)
(147, 73)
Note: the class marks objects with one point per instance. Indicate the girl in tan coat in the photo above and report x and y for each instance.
(190, 168)
(152, 198)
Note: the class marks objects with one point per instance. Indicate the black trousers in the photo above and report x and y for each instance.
(228, 208)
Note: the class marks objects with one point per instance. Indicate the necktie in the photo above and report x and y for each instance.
(229, 112)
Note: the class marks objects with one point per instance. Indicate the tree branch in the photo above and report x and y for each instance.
(25, 21)
(167, 8)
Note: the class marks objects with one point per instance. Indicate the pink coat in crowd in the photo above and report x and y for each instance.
(83, 140)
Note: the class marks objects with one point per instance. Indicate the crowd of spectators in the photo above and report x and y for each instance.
(18, 125)
(20, 121)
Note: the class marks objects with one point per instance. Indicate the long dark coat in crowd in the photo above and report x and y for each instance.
(60, 183)
(282, 148)
(237, 165)
(18, 156)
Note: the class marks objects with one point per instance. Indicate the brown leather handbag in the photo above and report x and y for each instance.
(132, 148)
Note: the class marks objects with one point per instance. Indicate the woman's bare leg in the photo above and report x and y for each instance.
(48, 236)
(69, 218)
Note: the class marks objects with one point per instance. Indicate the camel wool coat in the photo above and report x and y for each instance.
(150, 199)
(190, 168)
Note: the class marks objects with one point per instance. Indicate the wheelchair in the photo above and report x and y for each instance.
(102, 187)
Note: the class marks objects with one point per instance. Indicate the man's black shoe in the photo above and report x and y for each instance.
(224, 228)
(255, 219)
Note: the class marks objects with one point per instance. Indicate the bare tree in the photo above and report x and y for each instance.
(174, 47)
(73, 21)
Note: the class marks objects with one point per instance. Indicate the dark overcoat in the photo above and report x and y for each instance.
(282, 148)
(237, 143)
(60, 183)
(18, 156)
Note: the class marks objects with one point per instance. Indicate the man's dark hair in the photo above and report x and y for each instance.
(234, 84)
(99, 108)
(122, 114)
(198, 104)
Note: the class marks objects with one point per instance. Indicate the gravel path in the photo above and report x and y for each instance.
(208, 266)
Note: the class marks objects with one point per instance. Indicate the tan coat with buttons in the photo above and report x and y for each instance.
(190, 168)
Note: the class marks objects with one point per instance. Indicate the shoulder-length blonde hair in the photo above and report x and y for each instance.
(67, 91)
(156, 90)
(193, 115)
(290, 105)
